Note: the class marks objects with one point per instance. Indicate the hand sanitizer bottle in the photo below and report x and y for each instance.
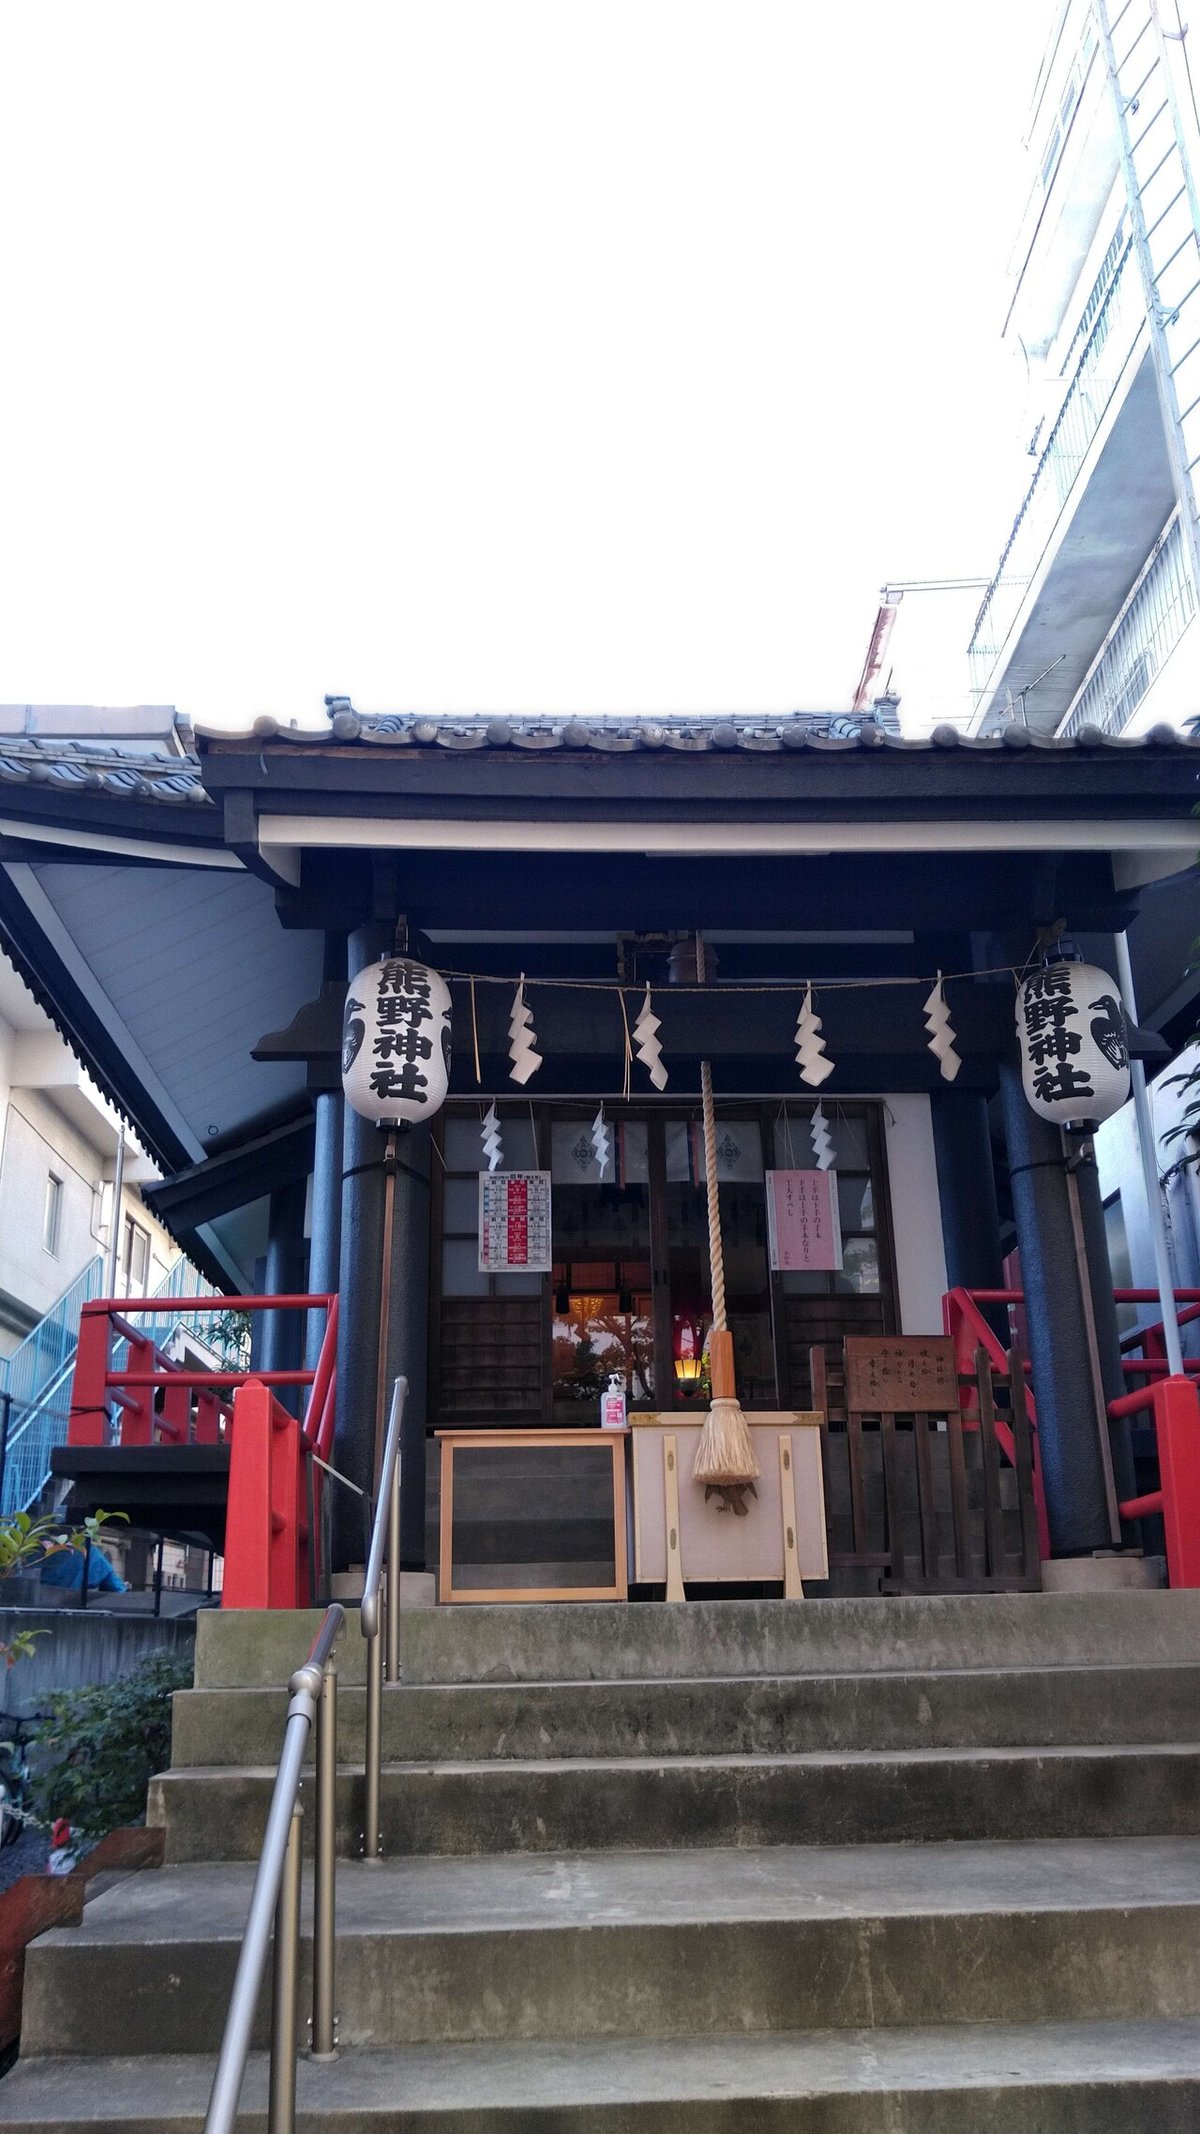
(612, 1403)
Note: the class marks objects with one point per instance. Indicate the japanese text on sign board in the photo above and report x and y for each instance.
(803, 1226)
(908, 1374)
(514, 1222)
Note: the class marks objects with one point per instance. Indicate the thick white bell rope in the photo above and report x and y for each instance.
(810, 1045)
(822, 1139)
(646, 1045)
(522, 1050)
(941, 1034)
(490, 1134)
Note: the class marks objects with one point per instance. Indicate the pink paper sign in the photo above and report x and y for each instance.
(803, 1226)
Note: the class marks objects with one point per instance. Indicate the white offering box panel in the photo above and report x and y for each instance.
(715, 1544)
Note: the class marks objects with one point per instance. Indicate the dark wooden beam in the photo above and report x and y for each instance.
(882, 784)
(240, 1175)
(629, 893)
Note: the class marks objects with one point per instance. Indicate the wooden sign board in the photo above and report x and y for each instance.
(901, 1374)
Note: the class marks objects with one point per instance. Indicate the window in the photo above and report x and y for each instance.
(1119, 1260)
(1050, 159)
(135, 1257)
(52, 1214)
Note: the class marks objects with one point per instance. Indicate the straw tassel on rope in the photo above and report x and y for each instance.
(725, 1457)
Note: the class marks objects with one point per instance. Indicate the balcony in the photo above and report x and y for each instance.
(1095, 507)
(1155, 617)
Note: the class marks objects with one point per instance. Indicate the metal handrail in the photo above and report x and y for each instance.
(385, 1535)
(275, 1900)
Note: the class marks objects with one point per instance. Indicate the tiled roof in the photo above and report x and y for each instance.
(101, 766)
(173, 777)
(619, 736)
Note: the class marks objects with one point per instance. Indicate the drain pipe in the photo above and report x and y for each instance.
(1148, 1148)
(114, 1238)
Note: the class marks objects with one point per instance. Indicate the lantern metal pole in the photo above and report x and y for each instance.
(114, 1238)
(1148, 1148)
(1087, 1303)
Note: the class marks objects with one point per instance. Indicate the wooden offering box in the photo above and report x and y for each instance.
(679, 1535)
(514, 1506)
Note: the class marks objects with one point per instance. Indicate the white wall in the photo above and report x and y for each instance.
(37, 1141)
(1120, 1170)
(916, 1213)
(53, 1118)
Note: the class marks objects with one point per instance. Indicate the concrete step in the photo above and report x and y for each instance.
(764, 1715)
(667, 1944)
(1062, 2078)
(608, 1641)
(643, 1803)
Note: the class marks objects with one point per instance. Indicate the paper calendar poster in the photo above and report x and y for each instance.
(514, 1222)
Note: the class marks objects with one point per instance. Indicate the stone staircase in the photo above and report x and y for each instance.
(836, 1867)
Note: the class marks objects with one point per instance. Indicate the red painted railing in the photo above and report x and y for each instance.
(157, 1401)
(1173, 1404)
(969, 1330)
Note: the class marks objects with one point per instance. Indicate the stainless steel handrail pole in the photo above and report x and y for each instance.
(324, 2014)
(392, 1669)
(305, 1688)
(385, 1537)
(285, 1980)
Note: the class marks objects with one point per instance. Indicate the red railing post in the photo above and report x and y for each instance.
(247, 1581)
(137, 1409)
(208, 1417)
(175, 1417)
(88, 1423)
(1177, 1420)
(289, 1517)
(263, 1519)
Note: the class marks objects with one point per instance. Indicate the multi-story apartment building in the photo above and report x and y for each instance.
(59, 1138)
(1088, 621)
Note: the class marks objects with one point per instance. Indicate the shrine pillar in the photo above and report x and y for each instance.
(383, 1285)
(966, 1179)
(285, 1273)
(360, 1272)
(1068, 1426)
(325, 1214)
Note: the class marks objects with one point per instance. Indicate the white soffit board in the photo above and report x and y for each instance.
(671, 839)
(190, 970)
(25, 881)
(134, 848)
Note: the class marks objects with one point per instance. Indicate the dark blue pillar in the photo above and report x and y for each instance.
(966, 1189)
(372, 1252)
(408, 1328)
(360, 1276)
(325, 1208)
(1068, 1429)
(285, 1273)
(325, 1214)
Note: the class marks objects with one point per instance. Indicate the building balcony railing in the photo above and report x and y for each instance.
(1105, 355)
(1147, 631)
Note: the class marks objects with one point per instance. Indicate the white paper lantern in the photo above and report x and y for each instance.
(396, 1042)
(1074, 1045)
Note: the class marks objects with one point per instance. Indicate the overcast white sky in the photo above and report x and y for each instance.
(502, 354)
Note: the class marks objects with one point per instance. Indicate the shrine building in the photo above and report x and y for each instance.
(837, 919)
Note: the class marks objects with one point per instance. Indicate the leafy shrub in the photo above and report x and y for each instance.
(96, 1752)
